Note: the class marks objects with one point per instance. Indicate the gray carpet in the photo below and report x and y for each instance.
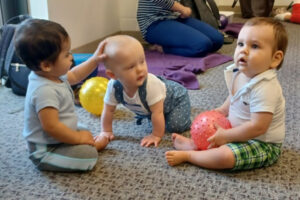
(126, 170)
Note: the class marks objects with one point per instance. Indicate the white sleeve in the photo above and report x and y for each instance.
(265, 97)
(156, 90)
(109, 97)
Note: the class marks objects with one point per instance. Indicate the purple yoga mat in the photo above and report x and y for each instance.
(177, 68)
(233, 29)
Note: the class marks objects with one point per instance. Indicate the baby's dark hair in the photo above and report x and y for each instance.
(38, 40)
(280, 34)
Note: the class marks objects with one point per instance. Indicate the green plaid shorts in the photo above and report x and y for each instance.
(254, 154)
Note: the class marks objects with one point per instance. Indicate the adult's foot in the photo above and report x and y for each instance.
(283, 16)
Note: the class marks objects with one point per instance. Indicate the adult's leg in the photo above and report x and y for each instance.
(213, 34)
(63, 157)
(246, 8)
(262, 8)
(178, 38)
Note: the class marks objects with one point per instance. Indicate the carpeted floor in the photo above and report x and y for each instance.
(126, 170)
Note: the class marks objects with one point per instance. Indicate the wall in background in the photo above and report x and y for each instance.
(89, 20)
(85, 21)
(38, 8)
(128, 11)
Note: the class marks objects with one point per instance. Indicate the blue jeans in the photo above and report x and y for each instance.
(186, 37)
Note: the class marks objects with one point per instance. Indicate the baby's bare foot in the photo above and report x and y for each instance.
(183, 143)
(176, 157)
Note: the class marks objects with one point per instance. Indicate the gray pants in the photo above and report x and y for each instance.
(256, 8)
(63, 157)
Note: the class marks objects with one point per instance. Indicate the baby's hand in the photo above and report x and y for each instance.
(109, 135)
(218, 138)
(150, 139)
(98, 54)
(101, 142)
(185, 12)
(85, 137)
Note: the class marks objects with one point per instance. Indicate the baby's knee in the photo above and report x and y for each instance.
(176, 129)
(178, 123)
(226, 157)
(179, 126)
(87, 151)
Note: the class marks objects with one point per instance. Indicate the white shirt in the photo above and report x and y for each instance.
(156, 91)
(262, 93)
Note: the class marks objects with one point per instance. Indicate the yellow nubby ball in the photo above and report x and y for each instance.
(91, 94)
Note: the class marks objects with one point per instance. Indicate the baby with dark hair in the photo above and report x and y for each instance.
(55, 141)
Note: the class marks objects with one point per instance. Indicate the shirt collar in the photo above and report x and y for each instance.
(266, 75)
(231, 69)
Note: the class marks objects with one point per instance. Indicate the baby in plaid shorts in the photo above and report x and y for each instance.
(255, 105)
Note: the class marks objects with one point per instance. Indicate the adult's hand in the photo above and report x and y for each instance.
(185, 12)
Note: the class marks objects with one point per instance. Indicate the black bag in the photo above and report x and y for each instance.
(13, 71)
(255, 8)
(205, 10)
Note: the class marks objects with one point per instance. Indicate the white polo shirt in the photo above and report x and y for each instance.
(262, 93)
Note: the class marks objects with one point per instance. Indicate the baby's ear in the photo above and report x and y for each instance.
(110, 74)
(277, 58)
(45, 66)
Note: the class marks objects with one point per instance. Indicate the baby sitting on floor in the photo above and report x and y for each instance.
(255, 105)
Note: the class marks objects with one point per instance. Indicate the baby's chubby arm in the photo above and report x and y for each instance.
(224, 108)
(49, 119)
(106, 134)
(80, 72)
(257, 126)
(158, 123)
